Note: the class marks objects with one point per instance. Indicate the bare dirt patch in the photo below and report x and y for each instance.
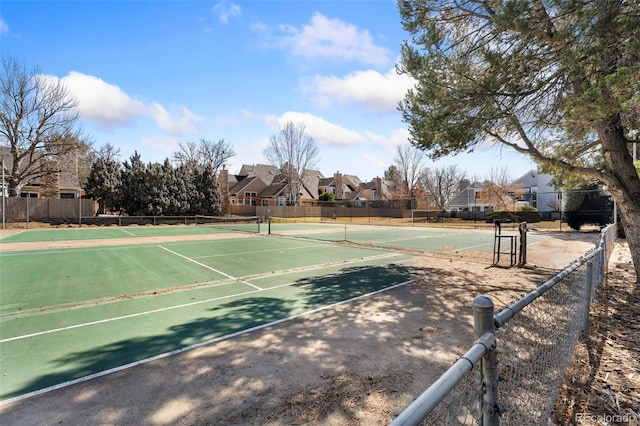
(602, 383)
(359, 363)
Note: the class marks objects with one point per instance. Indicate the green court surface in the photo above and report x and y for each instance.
(114, 300)
(68, 314)
(90, 233)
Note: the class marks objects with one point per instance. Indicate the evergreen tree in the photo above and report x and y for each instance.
(556, 80)
(103, 182)
(207, 195)
(131, 193)
(588, 205)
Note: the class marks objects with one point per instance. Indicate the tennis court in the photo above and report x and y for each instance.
(68, 313)
(79, 303)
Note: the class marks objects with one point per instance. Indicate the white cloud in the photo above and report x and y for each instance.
(324, 132)
(178, 123)
(248, 152)
(4, 28)
(333, 38)
(376, 162)
(396, 138)
(225, 10)
(101, 102)
(161, 143)
(109, 106)
(234, 118)
(375, 91)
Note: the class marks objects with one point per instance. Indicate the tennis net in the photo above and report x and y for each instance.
(456, 242)
(230, 223)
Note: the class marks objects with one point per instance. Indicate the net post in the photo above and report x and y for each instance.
(523, 243)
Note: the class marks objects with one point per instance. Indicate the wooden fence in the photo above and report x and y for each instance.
(45, 209)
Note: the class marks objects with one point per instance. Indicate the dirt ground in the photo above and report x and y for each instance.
(602, 383)
(359, 363)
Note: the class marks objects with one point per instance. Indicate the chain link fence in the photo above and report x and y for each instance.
(513, 372)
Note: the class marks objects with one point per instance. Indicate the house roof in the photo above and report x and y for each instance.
(273, 190)
(353, 179)
(312, 180)
(369, 185)
(325, 181)
(243, 183)
(264, 171)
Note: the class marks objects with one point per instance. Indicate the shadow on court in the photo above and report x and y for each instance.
(240, 314)
(241, 380)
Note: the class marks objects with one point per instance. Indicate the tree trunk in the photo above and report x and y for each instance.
(630, 216)
(623, 182)
(13, 189)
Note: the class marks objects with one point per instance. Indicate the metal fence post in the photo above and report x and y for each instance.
(588, 294)
(483, 323)
(597, 271)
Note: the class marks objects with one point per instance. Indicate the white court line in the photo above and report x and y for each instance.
(11, 235)
(185, 305)
(471, 247)
(126, 246)
(488, 244)
(194, 346)
(153, 311)
(210, 268)
(256, 251)
(418, 237)
(30, 252)
(127, 232)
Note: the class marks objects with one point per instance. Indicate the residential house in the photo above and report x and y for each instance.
(62, 183)
(344, 187)
(534, 189)
(372, 191)
(469, 198)
(264, 185)
(538, 192)
(244, 187)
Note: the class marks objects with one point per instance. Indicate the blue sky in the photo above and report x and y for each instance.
(150, 74)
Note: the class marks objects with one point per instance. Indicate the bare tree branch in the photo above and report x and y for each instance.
(295, 153)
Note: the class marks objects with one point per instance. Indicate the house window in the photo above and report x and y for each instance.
(29, 194)
(282, 201)
(250, 194)
(265, 203)
(67, 195)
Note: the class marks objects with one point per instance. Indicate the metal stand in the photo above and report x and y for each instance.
(511, 241)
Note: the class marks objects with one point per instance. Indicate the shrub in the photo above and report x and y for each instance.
(588, 206)
(524, 215)
(327, 196)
